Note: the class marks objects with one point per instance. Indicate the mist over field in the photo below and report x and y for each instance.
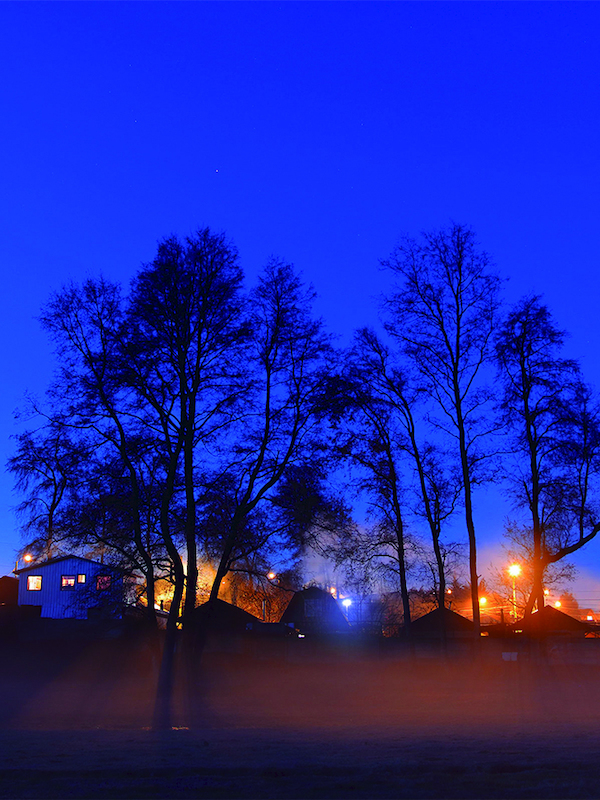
(317, 722)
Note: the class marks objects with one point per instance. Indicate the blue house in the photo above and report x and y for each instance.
(71, 587)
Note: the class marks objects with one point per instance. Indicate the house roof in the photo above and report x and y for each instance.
(329, 616)
(222, 616)
(550, 620)
(39, 564)
(432, 622)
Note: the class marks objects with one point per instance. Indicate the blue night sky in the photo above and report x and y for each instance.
(314, 131)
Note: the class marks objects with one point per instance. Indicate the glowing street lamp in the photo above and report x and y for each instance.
(346, 602)
(514, 571)
(27, 558)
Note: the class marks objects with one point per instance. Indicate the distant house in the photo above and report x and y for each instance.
(71, 587)
(549, 621)
(222, 617)
(9, 591)
(313, 610)
(430, 625)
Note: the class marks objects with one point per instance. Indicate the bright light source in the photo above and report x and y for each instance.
(589, 618)
(514, 570)
(347, 602)
(332, 591)
(448, 591)
(558, 604)
(28, 557)
(271, 575)
(482, 601)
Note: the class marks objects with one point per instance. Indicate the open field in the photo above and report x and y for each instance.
(76, 723)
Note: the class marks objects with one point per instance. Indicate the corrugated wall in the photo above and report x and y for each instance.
(59, 603)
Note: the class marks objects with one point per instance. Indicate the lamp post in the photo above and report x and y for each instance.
(347, 603)
(514, 571)
(27, 558)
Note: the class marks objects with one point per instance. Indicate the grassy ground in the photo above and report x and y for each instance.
(76, 724)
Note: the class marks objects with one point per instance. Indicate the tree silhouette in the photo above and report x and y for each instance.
(443, 315)
(554, 428)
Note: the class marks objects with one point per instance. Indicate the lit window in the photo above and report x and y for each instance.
(102, 582)
(67, 582)
(81, 579)
(34, 583)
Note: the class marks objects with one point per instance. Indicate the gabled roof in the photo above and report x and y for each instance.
(56, 559)
(432, 623)
(328, 617)
(550, 620)
(222, 616)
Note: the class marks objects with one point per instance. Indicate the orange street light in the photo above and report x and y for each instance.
(514, 571)
(482, 601)
(27, 557)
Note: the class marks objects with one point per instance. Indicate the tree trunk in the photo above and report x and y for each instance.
(403, 584)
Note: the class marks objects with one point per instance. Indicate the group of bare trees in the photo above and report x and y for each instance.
(176, 414)
(191, 420)
(457, 392)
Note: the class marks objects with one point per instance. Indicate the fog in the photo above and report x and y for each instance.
(300, 721)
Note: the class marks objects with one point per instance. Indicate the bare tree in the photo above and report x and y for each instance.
(289, 361)
(89, 397)
(185, 368)
(44, 465)
(386, 386)
(443, 314)
(554, 426)
(369, 438)
(519, 550)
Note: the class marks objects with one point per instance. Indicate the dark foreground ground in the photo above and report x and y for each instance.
(316, 724)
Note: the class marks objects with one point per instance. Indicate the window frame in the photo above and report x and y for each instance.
(103, 583)
(65, 585)
(31, 588)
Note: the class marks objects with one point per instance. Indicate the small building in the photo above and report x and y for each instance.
(223, 618)
(429, 626)
(71, 587)
(9, 591)
(315, 611)
(549, 621)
